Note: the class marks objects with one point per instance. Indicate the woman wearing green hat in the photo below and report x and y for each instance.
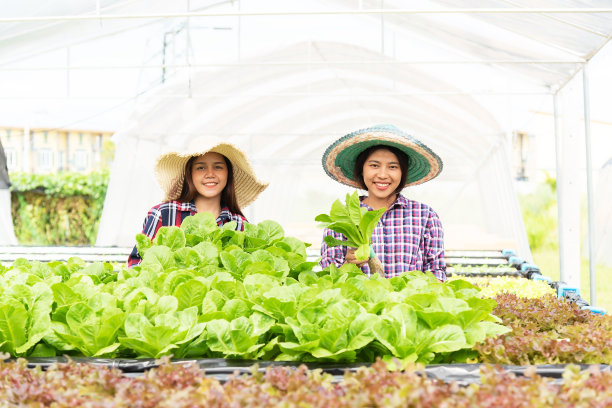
(383, 160)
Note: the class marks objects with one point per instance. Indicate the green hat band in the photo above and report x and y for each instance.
(339, 159)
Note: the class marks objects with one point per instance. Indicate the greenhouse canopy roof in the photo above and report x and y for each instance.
(283, 79)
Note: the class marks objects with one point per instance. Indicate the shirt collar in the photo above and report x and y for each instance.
(187, 206)
(400, 201)
(183, 206)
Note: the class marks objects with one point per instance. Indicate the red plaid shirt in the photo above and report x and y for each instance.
(408, 237)
(172, 213)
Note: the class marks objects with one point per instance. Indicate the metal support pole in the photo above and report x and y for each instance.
(587, 140)
(382, 32)
(188, 47)
(239, 32)
(67, 71)
(27, 151)
(562, 271)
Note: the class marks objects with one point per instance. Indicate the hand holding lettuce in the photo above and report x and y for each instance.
(356, 223)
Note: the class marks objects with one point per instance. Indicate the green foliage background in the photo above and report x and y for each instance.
(57, 209)
(539, 211)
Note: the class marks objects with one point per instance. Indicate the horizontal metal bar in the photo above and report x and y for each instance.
(475, 261)
(288, 63)
(268, 13)
(492, 272)
(9, 254)
(288, 95)
(63, 250)
(456, 253)
(9, 258)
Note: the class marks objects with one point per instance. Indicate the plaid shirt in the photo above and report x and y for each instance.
(408, 237)
(172, 213)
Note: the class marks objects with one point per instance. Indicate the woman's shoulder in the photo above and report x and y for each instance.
(413, 204)
(172, 205)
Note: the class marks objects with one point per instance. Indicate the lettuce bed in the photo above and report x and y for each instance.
(208, 292)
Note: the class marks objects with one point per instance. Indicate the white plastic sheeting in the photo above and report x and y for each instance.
(7, 234)
(603, 216)
(286, 132)
(80, 64)
(285, 78)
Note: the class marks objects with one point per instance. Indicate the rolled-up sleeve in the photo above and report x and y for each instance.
(335, 255)
(434, 247)
(151, 224)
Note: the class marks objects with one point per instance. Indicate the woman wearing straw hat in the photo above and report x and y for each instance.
(383, 160)
(209, 175)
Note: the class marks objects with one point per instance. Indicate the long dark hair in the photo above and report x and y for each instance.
(402, 158)
(228, 195)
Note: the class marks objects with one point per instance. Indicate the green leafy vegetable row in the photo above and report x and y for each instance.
(519, 286)
(205, 291)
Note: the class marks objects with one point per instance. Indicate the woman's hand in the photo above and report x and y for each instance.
(350, 258)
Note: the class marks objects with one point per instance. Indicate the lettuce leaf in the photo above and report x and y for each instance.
(354, 222)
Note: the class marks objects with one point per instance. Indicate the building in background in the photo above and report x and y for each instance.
(523, 159)
(52, 150)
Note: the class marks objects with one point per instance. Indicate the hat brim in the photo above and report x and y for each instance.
(170, 170)
(339, 159)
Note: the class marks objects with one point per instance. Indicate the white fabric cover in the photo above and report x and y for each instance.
(603, 216)
(285, 85)
(286, 135)
(7, 233)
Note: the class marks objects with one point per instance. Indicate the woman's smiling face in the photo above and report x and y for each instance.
(382, 174)
(209, 174)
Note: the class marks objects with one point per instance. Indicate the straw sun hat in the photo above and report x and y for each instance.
(339, 158)
(170, 169)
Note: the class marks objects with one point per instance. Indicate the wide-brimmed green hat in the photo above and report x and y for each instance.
(339, 158)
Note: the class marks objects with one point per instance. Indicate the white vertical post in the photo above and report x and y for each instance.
(252, 205)
(382, 31)
(559, 184)
(568, 191)
(7, 237)
(27, 151)
(239, 32)
(188, 47)
(587, 140)
(67, 71)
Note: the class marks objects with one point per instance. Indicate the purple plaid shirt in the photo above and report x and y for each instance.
(408, 237)
(172, 213)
